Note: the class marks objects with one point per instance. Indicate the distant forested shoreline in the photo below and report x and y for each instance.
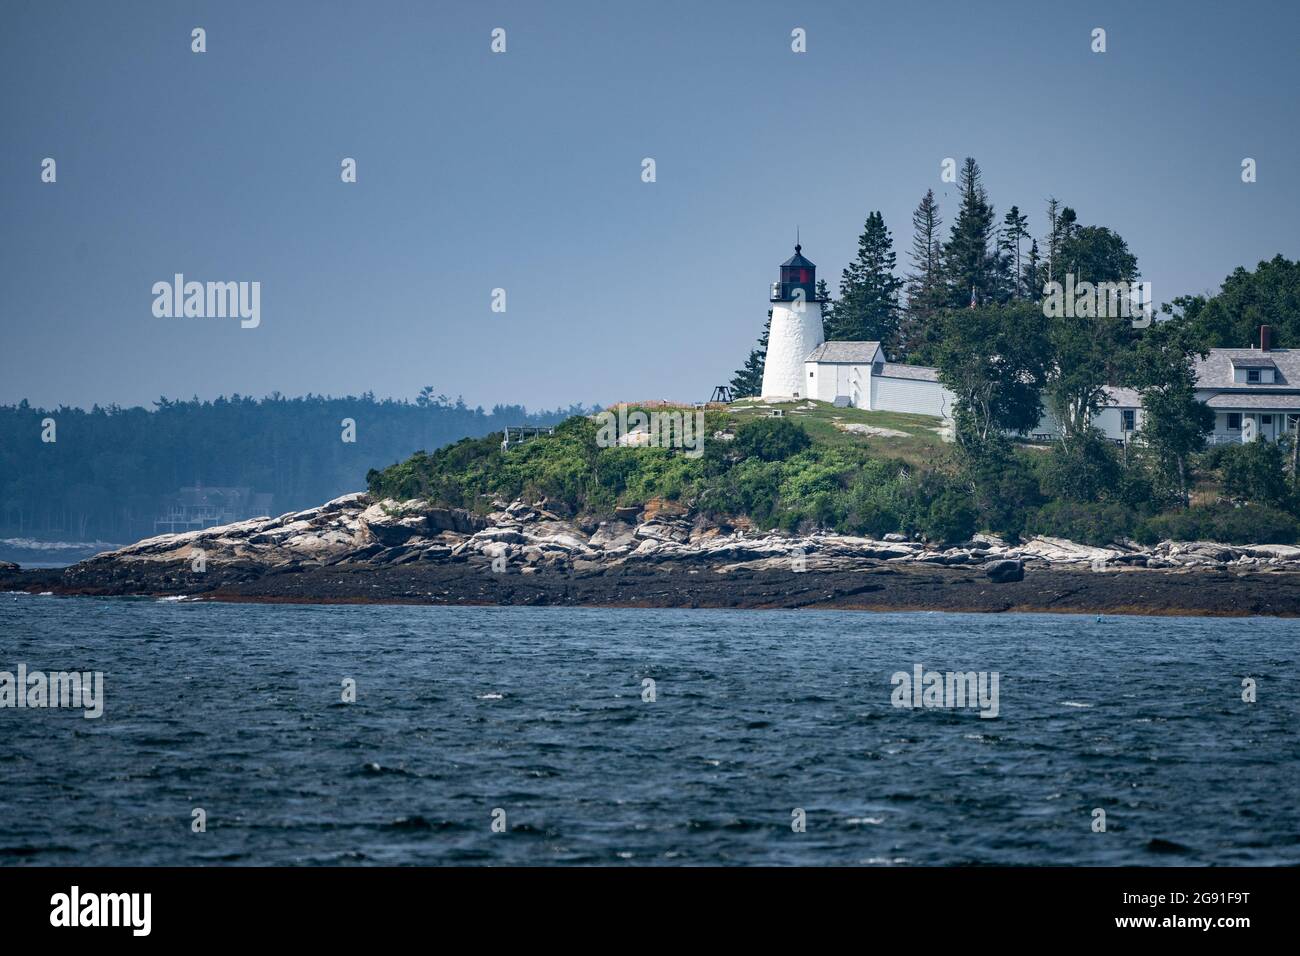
(108, 473)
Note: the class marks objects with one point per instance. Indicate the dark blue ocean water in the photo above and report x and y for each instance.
(538, 712)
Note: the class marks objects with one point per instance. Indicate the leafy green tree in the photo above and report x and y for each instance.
(1088, 351)
(867, 307)
(1175, 423)
(1256, 471)
(1095, 254)
(1083, 470)
(994, 359)
(1268, 295)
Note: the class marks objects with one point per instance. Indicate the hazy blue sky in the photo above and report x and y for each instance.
(522, 171)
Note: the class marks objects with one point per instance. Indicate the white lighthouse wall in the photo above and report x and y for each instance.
(827, 381)
(915, 396)
(790, 339)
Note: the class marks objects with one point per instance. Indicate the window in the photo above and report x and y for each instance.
(1292, 422)
(1252, 376)
(811, 374)
(1234, 421)
(1129, 416)
(1266, 419)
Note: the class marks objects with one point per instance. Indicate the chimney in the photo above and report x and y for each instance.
(1265, 338)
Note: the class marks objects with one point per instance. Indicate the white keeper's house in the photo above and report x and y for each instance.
(1255, 392)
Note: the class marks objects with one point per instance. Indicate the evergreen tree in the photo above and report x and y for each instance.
(969, 268)
(748, 381)
(1062, 223)
(867, 309)
(1033, 276)
(925, 291)
(1015, 228)
(1053, 215)
(828, 307)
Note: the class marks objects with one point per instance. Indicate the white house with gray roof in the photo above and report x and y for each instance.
(1255, 393)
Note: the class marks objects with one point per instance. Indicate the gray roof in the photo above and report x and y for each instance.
(1254, 401)
(859, 353)
(1258, 360)
(919, 372)
(1123, 397)
(1216, 370)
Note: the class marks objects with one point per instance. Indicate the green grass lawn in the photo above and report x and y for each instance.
(921, 446)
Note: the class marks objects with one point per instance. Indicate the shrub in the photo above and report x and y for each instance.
(940, 509)
(771, 439)
(1094, 523)
(1084, 470)
(1248, 524)
(1006, 490)
(1255, 471)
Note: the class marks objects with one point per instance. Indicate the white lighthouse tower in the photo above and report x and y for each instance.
(795, 331)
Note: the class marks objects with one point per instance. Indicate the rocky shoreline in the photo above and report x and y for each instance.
(357, 550)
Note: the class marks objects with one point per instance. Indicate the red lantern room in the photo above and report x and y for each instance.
(796, 273)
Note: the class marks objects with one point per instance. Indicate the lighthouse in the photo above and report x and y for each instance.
(796, 329)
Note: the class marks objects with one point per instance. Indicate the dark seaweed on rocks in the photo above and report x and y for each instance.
(355, 549)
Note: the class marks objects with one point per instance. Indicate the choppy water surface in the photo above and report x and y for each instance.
(237, 709)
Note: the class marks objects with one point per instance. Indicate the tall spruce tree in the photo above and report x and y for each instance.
(828, 306)
(1015, 229)
(1032, 279)
(925, 290)
(1061, 225)
(969, 267)
(748, 381)
(867, 308)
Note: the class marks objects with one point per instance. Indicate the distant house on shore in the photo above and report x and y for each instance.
(205, 506)
(1255, 392)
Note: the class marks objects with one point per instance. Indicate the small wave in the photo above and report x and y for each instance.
(415, 822)
(492, 695)
(865, 821)
(1074, 703)
(374, 769)
(1157, 845)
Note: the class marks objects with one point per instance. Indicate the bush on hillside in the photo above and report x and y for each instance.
(1256, 472)
(1098, 523)
(1248, 524)
(771, 439)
